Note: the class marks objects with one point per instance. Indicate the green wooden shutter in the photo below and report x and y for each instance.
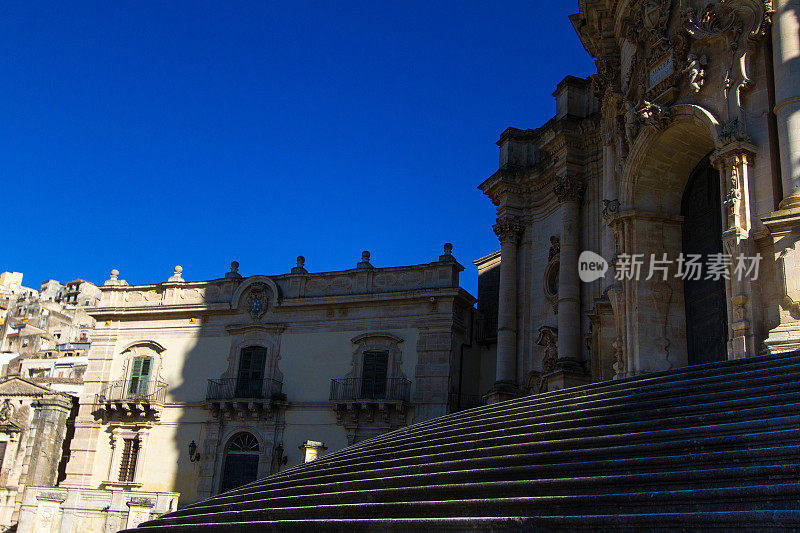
(249, 383)
(140, 376)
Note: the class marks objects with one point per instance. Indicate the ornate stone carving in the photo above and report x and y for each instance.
(647, 114)
(555, 248)
(733, 162)
(569, 189)
(6, 411)
(706, 23)
(610, 210)
(551, 273)
(548, 337)
(741, 23)
(508, 228)
(740, 326)
(607, 77)
(695, 71)
(655, 16)
(258, 300)
(654, 115)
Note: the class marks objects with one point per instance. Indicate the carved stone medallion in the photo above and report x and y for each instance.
(258, 300)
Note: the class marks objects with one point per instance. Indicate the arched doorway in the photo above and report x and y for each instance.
(241, 462)
(704, 299)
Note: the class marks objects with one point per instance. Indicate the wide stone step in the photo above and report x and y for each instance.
(763, 521)
(696, 398)
(672, 481)
(771, 394)
(535, 469)
(650, 431)
(757, 497)
(512, 410)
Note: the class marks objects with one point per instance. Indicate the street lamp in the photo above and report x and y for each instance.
(193, 455)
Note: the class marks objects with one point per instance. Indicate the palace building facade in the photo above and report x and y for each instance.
(195, 388)
(685, 142)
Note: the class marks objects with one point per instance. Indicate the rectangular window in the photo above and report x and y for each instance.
(130, 452)
(373, 374)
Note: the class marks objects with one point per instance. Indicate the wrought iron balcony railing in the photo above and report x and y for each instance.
(236, 388)
(137, 390)
(347, 389)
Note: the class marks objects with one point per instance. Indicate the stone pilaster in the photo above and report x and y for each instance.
(432, 374)
(784, 228)
(508, 230)
(733, 162)
(786, 50)
(48, 428)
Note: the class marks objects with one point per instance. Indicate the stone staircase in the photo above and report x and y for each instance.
(706, 447)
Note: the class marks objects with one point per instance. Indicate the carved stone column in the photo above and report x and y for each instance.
(786, 50)
(569, 191)
(733, 162)
(508, 230)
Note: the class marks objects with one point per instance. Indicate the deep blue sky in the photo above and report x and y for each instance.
(139, 135)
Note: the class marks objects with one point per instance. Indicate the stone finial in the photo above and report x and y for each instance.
(300, 268)
(448, 253)
(234, 273)
(114, 279)
(176, 276)
(364, 260)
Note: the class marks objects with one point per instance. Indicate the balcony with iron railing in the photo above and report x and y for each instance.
(360, 389)
(244, 397)
(132, 398)
(357, 401)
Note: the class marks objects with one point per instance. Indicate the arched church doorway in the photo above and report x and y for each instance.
(704, 299)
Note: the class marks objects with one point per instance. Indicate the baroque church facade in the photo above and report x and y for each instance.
(684, 142)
